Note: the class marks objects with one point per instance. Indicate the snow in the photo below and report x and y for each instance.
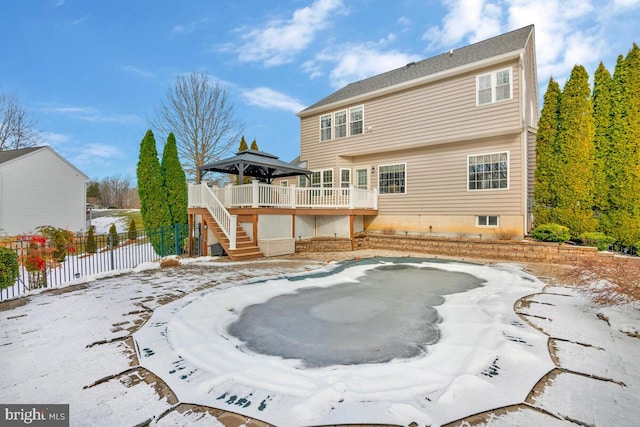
(75, 347)
(103, 223)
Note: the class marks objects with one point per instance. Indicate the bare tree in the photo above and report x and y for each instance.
(201, 117)
(116, 191)
(17, 129)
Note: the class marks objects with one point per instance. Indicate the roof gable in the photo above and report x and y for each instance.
(12, 155)
(510, 42)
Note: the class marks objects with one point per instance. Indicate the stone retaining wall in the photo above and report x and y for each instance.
(501, 250)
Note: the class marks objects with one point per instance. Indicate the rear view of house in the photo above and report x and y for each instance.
(448, 142)
(39, 187)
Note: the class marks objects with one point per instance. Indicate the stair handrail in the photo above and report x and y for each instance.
(228, 223)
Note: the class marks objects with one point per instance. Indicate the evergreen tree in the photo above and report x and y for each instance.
(623, 217)
(175, 182)
(132, 233)
(602, 140)
(547, 151)
(153, 200)
(92, 247)
(254, 145)
(113, 235)
(243, 145)
(576, 158)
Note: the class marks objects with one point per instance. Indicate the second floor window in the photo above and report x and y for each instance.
(341, 124)
(340, 119)
(325, 127)
(493, 87)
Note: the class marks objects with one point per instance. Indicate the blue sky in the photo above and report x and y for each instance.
(92, 72)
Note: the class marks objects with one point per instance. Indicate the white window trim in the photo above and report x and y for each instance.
(346, 124)
(489, 189)
(322, 183)
(406, 179)
(366, 170)
(343, 182)
(284, 183)
(332, 128)
(493, 87)
(487, 217)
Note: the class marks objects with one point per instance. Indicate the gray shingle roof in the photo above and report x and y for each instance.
(505, 43)
(7, 155)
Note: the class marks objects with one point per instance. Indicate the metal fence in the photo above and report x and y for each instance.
(41, 265)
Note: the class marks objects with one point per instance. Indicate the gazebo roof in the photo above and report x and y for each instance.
(256, 164)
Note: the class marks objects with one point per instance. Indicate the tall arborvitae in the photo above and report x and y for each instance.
(254, 145)
(153, 200)
(624, 213)
(602, 141)
(175, 182)
(545, 187)
(575, 141)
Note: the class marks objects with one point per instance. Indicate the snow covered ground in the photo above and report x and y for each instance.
(75, 346)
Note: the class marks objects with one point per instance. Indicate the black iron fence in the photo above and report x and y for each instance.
(42, 264)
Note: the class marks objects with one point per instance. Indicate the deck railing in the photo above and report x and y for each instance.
(258, 194)
(226, 221)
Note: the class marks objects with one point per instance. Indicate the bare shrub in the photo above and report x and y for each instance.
(608, 280)
(506, 233)
(170, 261)
(388, 230)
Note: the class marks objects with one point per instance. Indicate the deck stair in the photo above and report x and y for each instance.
(245, 248)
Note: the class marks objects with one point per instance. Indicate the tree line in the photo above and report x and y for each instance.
(587, 175)
(114, 191)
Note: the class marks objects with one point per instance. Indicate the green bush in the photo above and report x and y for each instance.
(9, 269)
(132, 234)
(113, 235)
(92, 246)
(597, 239)
(551, 233)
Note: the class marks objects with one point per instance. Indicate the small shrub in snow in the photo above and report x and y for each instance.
(551, 233)
(170, 261)
(113, 235)
(597, 239)
(132, 233)
(92, 246)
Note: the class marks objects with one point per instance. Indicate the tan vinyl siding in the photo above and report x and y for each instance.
(437, 180)
(440, 112)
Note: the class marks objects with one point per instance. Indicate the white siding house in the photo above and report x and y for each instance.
(39, 187)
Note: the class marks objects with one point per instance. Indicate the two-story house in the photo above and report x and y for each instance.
(444, 146)
(448, 142)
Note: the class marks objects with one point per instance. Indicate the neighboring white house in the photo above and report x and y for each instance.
(39, 187)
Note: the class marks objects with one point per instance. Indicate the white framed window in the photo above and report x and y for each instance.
(487, 220)
(345, 178)
(303, 181)
(392, 179)
(362, 178)
(488, 171)
(340, 120)
(341, 124)
(493, 87)
(325, 127)
(356, 120)
(284, 183)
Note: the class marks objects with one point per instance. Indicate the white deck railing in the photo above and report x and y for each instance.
(206, 197)
(258, 194)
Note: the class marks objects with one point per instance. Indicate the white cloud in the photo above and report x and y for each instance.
(138, 71)
(356, 62)
(568, 32)
(280, 40)
(265, 97)
(54, 139)
(190, 27)
(90, 114)
(78, 21)
(95, 154)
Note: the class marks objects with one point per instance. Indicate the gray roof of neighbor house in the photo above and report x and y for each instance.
(502, 44)
(254, 163)
(7, 155)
